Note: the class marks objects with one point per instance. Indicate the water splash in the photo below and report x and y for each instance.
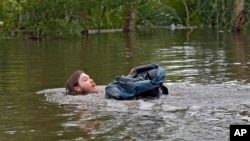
(189, 112)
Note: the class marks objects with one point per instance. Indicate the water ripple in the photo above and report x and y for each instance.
(190, 112)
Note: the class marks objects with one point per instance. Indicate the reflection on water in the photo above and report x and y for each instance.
(208, 70)
(241, 58)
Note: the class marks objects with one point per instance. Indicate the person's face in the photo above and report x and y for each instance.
(86, 84)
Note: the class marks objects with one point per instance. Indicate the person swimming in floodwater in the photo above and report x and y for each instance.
(79, 83)
(142, 81)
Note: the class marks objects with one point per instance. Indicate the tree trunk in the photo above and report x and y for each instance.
(130, 17)
(19, 21)
(238, 17)
(83, 20)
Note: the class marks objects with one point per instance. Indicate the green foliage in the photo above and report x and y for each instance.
(60, 18)
(51, 18)
(155, 12)
(211, 13)
(104, 14)
(67, 18)
(215, 13)
(10, 10)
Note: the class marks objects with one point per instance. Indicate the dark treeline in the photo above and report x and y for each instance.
(70, 18)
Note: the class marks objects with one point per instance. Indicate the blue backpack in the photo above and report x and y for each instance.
(144, 81)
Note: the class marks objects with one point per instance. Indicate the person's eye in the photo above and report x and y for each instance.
(84, 79)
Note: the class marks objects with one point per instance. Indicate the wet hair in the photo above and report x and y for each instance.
(72, 82)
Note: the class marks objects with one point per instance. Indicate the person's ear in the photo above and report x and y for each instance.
(77, 88)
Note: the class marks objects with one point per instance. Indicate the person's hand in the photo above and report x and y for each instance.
(131, 71)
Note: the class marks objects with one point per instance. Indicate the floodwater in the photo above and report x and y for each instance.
(207, 73)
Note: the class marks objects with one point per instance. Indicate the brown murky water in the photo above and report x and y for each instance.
(207, 75)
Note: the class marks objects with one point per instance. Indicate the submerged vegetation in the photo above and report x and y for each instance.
(67, 18)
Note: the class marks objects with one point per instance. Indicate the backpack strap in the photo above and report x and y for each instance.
(164, 89)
